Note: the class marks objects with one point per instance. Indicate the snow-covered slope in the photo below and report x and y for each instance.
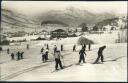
(32, 69)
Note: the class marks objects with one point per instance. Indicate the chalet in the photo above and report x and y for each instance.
(34, 33)
(90, 27)
(59, 33)
(55, 28)
(108, 28)
(79, 29)
(44, 34)
(71, 30)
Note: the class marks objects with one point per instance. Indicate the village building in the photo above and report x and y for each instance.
(55, 29)
(90, 26)
(79, 29)
(106, 28)
(44, 34)
(109, 28)
(59, 33)
(71, 30)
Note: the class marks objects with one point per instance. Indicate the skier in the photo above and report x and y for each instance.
(82, 53)
(89, 46)
(27, 46)
(74, 48)
(100, 54)
(8, 50)
(46, 54)
(18, 55)
(42, 49)
(47, 46)
(55, 48)
(21, 55)
(43, 56)
(61, 47)
(57, 56)
(12, 56)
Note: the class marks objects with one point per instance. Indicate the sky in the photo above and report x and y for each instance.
(37, 7)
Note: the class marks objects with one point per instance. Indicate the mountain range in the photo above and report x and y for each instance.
(74, 16)
(12, 21)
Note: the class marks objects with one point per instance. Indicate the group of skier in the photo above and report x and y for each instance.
(82, 54)
(58, 56)
(19, 55)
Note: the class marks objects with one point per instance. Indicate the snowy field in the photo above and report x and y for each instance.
(31, 67)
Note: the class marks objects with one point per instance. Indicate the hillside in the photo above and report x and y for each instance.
(13, 22)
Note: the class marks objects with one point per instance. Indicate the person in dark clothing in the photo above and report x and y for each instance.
(12, 56)
(21, 55)
(43, 57)
(8, 51)
(42, 49)
(18, 55)
(58, 57)
(61, 47)
(46, 54)
(55, 48)
(89, 46)
(27, 46)
(82, 53)
(74, 48)
(100, 54)
(47, 47)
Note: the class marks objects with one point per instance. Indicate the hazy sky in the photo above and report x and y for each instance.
(36, 7)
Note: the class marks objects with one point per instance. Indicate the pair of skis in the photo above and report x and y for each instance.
(62, 69)
(66, 67)
(71, 65)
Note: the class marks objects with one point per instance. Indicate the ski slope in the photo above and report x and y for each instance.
(31, 67)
